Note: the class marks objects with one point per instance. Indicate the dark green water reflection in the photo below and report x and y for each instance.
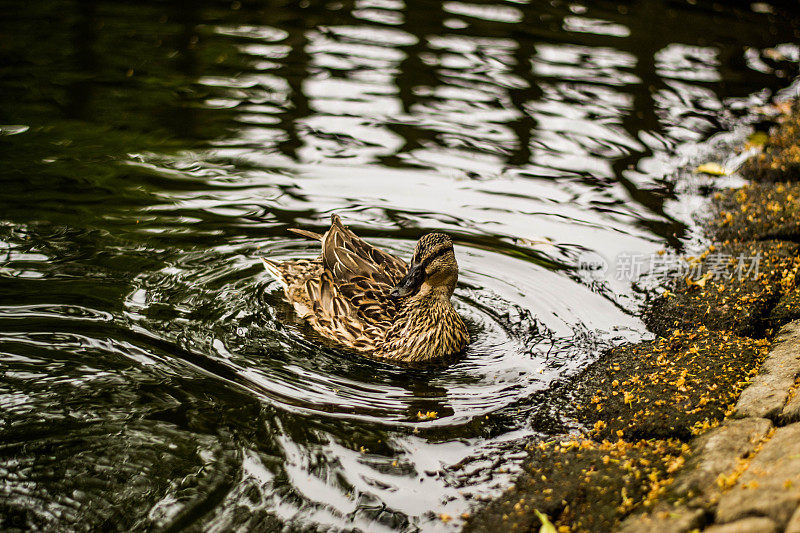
(151, 376)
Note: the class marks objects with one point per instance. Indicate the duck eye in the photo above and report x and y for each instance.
(437, 255)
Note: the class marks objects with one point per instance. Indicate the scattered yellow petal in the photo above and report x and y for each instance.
(758, 138)
(547, 525)
(701, 281)
(712, 169)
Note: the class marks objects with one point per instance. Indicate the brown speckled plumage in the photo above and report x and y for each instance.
(371, 302)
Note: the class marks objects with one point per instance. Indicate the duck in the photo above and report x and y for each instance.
(371, 301)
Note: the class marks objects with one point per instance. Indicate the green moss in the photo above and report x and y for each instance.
(583, 484)
(745, 281)
(671, 387)
(780, 158)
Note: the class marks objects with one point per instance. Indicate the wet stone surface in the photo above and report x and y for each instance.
(780, 157)
(771, 485)
(758, 211)
(670, 387)
(787, 309)
(583, 483)
(738, 295)
(769, 390)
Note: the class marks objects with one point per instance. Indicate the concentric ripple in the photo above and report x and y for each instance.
(364, 437)
(221, 303)
(152, 378)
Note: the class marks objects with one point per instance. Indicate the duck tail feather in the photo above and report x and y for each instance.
(305, 233)
(274, 271)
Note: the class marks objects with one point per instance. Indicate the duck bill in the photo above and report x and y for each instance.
(411, 283)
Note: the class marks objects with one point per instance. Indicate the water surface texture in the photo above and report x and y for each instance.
(152, 377)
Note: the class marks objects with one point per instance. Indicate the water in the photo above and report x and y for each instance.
(152, 377)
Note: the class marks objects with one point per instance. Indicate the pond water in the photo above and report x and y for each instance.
(151, 375)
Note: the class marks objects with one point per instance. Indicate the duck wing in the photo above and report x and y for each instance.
(353, 313)
(345, 293)
(354, 288)
(350, 258)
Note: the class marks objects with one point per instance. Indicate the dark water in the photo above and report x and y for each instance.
(151, 377)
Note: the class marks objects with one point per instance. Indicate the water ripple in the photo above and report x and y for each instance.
(152, 377)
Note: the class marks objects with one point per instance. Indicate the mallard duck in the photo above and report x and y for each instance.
(371, 302)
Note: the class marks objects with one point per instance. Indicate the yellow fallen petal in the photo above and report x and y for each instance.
(700, 282)
(758, 138)
(712, 169)
(547, 525)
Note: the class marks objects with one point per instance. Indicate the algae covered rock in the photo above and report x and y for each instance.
(671, 387)
(758, 211)
(779, 159)
(736, 287)
(584, 483)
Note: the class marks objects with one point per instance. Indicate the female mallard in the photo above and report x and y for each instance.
(371, 302)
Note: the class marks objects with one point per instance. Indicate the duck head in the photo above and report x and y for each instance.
(433, 268)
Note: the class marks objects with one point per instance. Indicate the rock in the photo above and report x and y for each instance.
(741, 283)
(770, 487)
(768, 392)
(667, 388)
(787, 309)
(748, 525)
(718, 452)
(779, 159)
(587, 484)
(664, 521)
(759, 212)
(765, 397)
(794, 524)
(791, 411)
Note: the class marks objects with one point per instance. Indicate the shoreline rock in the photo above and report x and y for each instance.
(699, 428)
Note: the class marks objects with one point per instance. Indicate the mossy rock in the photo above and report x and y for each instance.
(788, 309)
(672, 387)
(585, 484)
(734, 289)
(758, 212)
(780, 158)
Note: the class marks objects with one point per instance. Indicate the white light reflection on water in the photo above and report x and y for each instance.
(149, 352)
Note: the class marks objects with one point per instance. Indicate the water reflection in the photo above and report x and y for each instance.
(153, 378)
